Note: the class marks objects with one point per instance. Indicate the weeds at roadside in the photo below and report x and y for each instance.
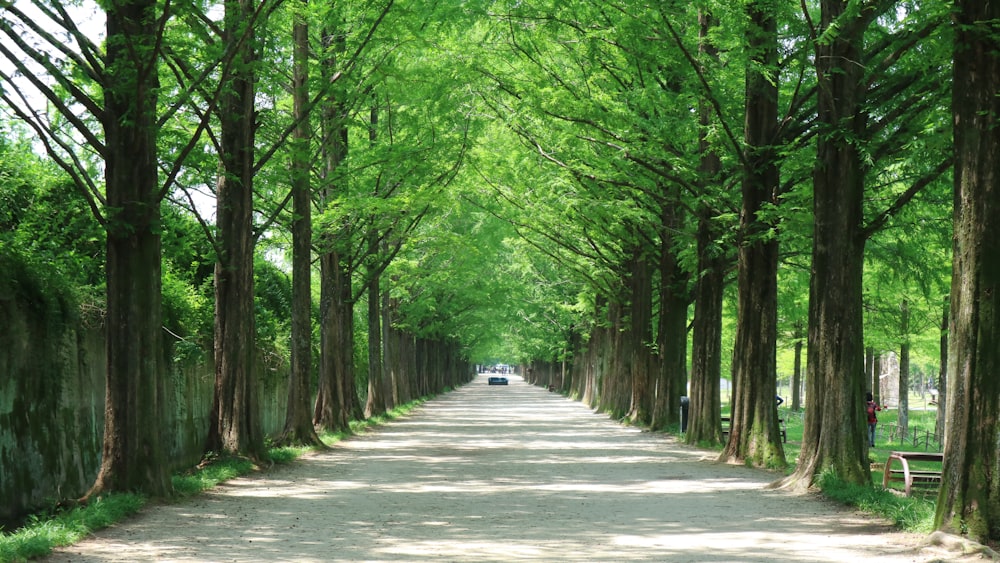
(911, 514)
(65, 527)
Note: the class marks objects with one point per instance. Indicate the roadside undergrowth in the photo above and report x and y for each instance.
(911, 514)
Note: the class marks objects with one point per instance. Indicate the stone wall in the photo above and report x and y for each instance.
(52, 407)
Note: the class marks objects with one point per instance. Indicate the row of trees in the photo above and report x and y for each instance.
(834, 121)
(620, 192)
(173, 108)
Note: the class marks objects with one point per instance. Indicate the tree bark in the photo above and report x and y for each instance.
(870, 371)
(299, 427)
(754, 434)
(942, 383)
(834, 429)
(336, 400)
(705, 414)
(671, 365)
(615, 394)
(969, 500)
(903, 408)
(133, 455)
(639, 338)
(235, 426)
(376, 404)
(797, 368)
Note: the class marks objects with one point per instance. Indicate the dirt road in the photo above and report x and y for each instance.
(502, 473)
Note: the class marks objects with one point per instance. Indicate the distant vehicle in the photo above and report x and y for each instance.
(498, 381)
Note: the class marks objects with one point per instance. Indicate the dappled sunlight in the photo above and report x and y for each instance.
(511, 473)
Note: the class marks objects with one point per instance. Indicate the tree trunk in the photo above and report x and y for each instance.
(235, 426)
(969, 500)
(299, 427)
(639, 339)
(797, 368)
(942, 382)
(904, 371)
(834, 430)
(877, 378)
(336, 400)
(133, 455)
(705, 416)
(671, 365)
(705, 410)
(615, 394)
(870, 371)
(376, 404)
(754, 433)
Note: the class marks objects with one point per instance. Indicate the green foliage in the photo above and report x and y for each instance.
(33, 282)
(273, 298)
(46, 217)
(187, 313)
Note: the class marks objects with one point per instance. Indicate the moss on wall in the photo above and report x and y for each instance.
(52, 370)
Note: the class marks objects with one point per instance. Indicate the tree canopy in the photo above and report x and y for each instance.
(628, 201)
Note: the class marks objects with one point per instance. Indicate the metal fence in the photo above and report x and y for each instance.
(916, 437)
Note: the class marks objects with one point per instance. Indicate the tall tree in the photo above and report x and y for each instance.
(970, 493)
(133, 453)
(235, 425)
(336, 399)
(127, 75)
(705, 420)
(834, 428)
(754, 431)
(299, 428)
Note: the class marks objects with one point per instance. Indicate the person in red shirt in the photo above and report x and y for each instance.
(871, 408)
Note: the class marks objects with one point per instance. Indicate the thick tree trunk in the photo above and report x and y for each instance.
(969, 501)
(616, 389)
(336, 401)
(669, 366)
(133, 456)
(235, 426)
(299, 427)
(377, 400)
(834, 429)
(639, 339)
(705, 414)
(754, 434)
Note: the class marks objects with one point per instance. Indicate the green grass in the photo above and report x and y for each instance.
(56, 528)
(913, 514)
(65, 527)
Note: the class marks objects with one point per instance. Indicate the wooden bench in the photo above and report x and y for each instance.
(910, 477)
(727, 423)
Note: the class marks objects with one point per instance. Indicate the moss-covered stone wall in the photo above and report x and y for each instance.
(52, 406)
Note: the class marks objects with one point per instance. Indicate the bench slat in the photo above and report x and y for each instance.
(910, 478)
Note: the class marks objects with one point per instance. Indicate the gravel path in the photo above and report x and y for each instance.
(502, 473)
